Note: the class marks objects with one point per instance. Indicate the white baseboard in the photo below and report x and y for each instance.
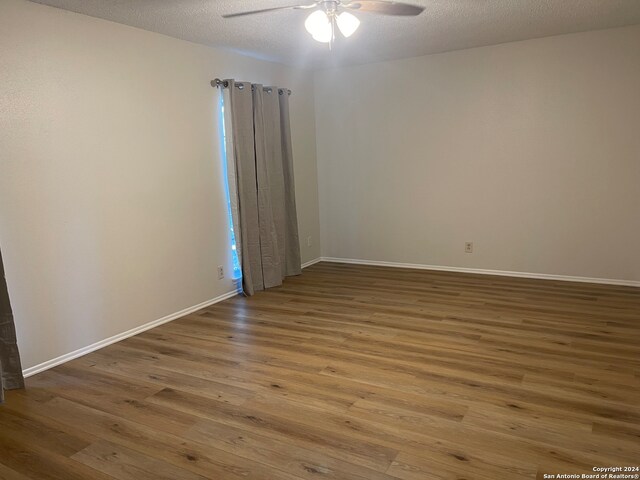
(147, 326)
(311, 262)
(134, 331)
(121, 336)
(479, 271)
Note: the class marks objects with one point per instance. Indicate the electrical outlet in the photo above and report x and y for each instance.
(309, 243)
(220, 272)
(468, 247)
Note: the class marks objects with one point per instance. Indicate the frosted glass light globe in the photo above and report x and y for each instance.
(316, 22)
(347, 23)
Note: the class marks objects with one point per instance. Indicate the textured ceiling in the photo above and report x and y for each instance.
(280, 36)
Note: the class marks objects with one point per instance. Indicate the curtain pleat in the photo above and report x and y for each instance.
(271, 271)
(241, 103)
(291, 247)
(263, 166)
(10, 366)
(271, 108)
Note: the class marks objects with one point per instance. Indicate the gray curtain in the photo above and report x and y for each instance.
(10, 367)
(260, 161)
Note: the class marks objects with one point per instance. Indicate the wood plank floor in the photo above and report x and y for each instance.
(349, 372)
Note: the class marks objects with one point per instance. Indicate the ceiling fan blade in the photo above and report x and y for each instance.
(264, 10)
(385, 8)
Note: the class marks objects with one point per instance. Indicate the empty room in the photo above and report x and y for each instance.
(342, 240)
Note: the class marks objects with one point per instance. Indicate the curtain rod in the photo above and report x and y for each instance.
(224, 84)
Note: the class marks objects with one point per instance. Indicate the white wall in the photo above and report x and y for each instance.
(112, 209)
(531, 150)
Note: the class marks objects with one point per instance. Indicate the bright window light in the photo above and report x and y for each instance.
(237, 269)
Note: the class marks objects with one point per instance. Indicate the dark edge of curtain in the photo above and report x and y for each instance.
(10, 365)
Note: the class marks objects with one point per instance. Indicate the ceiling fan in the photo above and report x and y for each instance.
(329, 14)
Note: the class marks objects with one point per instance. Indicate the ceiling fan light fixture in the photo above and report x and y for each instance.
(347, 23)
(330, 15)
(318, 24)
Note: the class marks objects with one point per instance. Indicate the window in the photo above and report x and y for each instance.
(237, 269)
